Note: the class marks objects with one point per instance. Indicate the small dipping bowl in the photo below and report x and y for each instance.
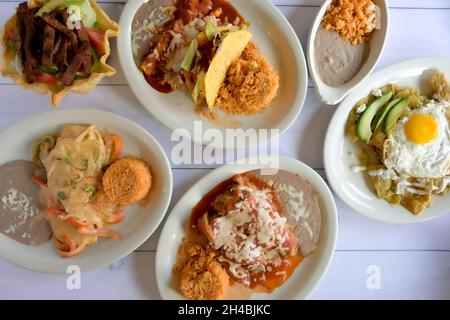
(333, 95)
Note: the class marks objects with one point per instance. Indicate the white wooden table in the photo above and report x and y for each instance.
(413, 260)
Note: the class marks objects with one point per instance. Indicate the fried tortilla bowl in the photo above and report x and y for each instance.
(9, 68)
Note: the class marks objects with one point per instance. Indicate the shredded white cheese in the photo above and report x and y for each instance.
(150, 26)
(251, 233)
(377, 92)
(19, 202)
(296, 201)
(361, 108)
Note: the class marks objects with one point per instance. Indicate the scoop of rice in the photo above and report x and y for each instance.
(250, 86)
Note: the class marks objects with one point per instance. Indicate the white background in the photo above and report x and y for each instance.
(414, 259)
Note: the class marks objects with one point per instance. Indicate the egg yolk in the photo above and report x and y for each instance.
(421, 128)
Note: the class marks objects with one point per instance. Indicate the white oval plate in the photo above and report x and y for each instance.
(352, 187)
(140, 222)
(333, 95)
(305, 278)
(278, 43)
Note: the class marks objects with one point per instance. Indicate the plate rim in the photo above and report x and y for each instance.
(376, 79)
(134, 127)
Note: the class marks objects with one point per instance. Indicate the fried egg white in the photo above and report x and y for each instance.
(420, 144)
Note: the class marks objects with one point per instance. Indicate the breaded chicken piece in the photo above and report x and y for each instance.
(250, 86)
(127, 180)
(201, 276)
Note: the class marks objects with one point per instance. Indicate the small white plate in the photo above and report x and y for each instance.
(307, 275)
(278, 43)
(140, 222)
(333, 95)
(339, 151)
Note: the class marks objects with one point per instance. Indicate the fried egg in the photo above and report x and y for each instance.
(420, 143)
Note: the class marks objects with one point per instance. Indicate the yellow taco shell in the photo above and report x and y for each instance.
(8, 66)
(229, 51)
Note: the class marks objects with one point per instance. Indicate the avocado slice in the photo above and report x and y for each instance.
(395, 114)
(363, 128)
(379, 118)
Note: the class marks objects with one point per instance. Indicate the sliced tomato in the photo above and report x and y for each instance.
(115, 144)
(46, 78)
(39, 181)
(97, 39)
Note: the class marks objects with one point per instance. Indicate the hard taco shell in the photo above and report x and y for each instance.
(229, 51)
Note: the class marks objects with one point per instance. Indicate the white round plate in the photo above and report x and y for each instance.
(140, 221)
(333, 95)
(307, 275)
(339, 151)
(278, 43)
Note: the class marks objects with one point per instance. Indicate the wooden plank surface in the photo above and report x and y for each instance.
(133, 278)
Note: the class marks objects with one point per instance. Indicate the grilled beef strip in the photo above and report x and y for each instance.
(47, 48)
(61, 54)
(26, 21)
(57, 43)
(72, 35)
(86, 65)
(51, 20)
(69, 75)
(80, 56)
(31, 62)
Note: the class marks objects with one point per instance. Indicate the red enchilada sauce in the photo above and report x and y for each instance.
(188, 11)
(156, 81)
(228, 11)
(269, 280)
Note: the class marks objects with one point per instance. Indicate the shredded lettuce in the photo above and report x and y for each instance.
(199, 86)
(88, 14)
(186, 64)
(49, 70)
(211, 29)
